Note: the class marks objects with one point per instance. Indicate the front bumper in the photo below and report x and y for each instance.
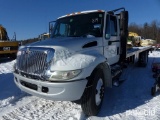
(57, 91)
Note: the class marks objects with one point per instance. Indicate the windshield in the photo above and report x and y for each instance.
(79, 25)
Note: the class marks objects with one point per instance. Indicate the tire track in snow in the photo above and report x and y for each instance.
(40, 109)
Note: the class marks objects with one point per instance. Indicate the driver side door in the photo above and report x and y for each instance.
(111, 39)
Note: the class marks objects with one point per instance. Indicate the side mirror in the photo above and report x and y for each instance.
(51, 26)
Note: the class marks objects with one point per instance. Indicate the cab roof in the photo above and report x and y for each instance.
(82, 12)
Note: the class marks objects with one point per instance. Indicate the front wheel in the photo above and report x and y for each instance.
(93, 95)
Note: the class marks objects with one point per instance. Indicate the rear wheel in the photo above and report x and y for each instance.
(143, 59)
(93, 95)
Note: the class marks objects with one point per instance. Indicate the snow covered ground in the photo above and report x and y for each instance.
(130, 101)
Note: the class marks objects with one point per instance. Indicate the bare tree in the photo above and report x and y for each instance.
(148, 30)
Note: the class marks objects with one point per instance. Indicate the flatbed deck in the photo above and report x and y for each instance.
(137, 50)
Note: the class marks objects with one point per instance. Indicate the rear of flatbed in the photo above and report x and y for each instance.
(138, 54)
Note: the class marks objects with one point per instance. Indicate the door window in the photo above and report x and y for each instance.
(111, 26)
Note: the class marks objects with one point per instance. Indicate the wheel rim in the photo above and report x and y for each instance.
(99, 92)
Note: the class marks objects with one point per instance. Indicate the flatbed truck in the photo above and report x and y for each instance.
(86, 53)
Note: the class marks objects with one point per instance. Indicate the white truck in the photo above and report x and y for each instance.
(85, 54)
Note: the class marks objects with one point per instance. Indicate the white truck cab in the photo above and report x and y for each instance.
(82, 56)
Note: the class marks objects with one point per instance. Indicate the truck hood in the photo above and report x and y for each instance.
(70, 43)
(70, 50)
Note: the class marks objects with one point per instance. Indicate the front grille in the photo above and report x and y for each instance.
(34, 61)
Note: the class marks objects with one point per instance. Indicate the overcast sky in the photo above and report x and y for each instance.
(29, 18)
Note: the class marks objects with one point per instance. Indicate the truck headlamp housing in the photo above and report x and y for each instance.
(64, 75)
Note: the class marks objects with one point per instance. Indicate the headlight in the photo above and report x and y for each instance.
(64, 75)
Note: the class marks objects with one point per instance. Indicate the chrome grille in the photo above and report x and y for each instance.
(34, 60)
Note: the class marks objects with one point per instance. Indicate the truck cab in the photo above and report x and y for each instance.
(97, 28)
(76, 62)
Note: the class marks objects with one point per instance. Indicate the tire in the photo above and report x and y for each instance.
(92, 98)
(143, 59)
(153, 91)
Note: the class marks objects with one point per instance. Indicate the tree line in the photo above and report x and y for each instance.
(147, 30)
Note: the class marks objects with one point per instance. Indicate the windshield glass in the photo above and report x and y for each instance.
(79, 25)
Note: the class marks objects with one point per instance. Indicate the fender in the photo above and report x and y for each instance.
(107, 73)
(87, 61)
